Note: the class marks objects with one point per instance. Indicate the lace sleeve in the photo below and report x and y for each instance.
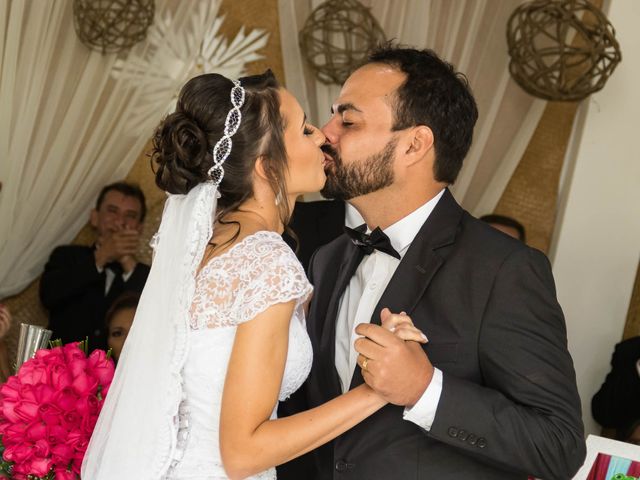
(275, 276)
(259, 271)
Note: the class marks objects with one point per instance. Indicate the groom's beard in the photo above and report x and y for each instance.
(345, 182)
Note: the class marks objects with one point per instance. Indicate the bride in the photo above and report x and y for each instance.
(219, 336)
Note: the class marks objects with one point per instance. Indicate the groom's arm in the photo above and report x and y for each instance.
(528, 409)
(526, 414)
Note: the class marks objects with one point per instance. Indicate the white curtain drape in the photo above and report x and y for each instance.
(470, 34)
(73, 120)
(60, 139)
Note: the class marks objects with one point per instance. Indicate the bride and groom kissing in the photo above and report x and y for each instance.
(490, 395)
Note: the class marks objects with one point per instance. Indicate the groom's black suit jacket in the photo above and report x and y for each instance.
(509, 406)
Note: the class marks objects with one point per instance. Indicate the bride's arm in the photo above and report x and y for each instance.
(249, 441)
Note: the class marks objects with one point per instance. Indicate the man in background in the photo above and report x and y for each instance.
(507, 225)
(314, 224)
(80, 283)
(617, 404)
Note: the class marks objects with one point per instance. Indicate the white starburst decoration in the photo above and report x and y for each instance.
(176, 51)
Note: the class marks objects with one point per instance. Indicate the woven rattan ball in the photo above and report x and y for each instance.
(336, 37)
(561, 49)
(111, 26)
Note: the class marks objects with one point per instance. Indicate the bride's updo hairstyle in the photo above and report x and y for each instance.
(183, 143)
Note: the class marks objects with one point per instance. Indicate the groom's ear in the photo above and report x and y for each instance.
(420, 144)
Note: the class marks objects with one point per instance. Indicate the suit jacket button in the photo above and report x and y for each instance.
(462, 435)
(472, 439)
(453, 432)
(481, 443)
(341, 466)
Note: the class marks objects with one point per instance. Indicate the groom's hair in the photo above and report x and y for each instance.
(437, 96)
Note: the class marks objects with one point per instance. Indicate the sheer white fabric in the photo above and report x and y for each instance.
(136, 436)
(258, 272)
(62, 132)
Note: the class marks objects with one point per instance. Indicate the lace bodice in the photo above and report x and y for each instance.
(258, 272)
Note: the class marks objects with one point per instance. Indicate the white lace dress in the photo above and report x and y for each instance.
(233, 288)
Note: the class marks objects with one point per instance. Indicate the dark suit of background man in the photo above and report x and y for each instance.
(79, 283)
(492, 395)
(314, 224)
(617, 403)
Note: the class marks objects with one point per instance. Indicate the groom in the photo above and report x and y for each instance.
(493, 393)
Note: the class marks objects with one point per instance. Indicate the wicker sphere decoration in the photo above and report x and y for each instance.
(111, 26)
(561, 49)
(336, 37)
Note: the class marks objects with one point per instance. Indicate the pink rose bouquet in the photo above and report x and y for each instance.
(48, 411)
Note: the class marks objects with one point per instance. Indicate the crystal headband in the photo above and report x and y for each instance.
(222, 148)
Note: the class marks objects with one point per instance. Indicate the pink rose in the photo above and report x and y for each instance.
(98, 358)
(8, 411)
(26, 411)
(84, 385)
(87, 405)
(36, 432)
(55, 354)
(57, 434)
(40, 466)
(20, 471)
(77, 366)
(65, 399)
(72, 351)
(3, 426)
(71, 421)
(60, 376)
(101, 367)
(18, 453)
(15, 434)
(63, 474)
(74, 437)
(62, 454)
(42, 448)
(33, 372)
(104, 375)
(44, 393)
(44, 353)
(27, 393)
(11, 389)
(50, 414)
(89, 423)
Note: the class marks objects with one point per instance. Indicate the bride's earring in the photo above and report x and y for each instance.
(278, 198)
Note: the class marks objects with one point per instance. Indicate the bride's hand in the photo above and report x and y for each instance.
(402, 326)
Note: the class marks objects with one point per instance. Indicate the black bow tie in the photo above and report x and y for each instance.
(376, 240)
(115, 267)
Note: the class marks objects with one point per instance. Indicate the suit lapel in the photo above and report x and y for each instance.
(419, 264)
(350, 261)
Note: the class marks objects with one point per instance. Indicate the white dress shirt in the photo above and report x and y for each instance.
(111, 276)
(363, 294)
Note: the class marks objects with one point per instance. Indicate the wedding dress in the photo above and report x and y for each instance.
(256, 273)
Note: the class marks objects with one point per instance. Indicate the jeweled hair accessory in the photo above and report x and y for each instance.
(222, 148)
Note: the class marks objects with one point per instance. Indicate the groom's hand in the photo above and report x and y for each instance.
(399, 371)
